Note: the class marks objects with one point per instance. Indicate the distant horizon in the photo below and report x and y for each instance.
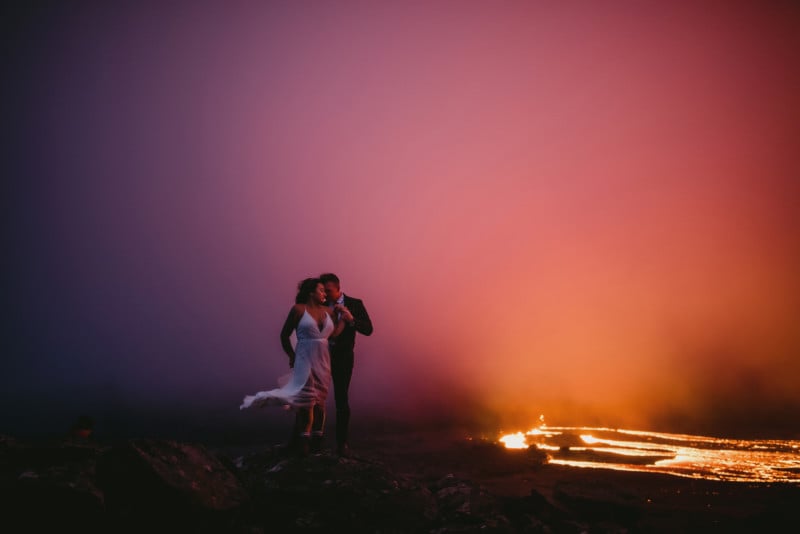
(223, 423)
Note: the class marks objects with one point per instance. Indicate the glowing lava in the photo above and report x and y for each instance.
(676, 454)
(515, 441)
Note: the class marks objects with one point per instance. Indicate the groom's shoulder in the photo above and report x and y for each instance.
(352, 299)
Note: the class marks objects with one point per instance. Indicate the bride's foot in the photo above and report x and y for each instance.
(315, 446)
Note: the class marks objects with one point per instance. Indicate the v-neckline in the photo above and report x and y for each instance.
(319, 327)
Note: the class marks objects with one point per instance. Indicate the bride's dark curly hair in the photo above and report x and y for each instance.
(305, 288)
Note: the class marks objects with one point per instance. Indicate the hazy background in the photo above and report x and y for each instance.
(586, 210)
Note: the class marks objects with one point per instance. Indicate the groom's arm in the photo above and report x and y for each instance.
(362, 323)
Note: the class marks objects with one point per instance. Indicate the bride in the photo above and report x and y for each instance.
(307, 387)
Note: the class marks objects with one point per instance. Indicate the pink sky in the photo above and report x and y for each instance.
(564, 208)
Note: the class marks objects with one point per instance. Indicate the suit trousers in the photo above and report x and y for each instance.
(342, 372)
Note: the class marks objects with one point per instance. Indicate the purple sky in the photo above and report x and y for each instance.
(564, 208)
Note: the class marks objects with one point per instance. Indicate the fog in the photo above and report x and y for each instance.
(581, 211)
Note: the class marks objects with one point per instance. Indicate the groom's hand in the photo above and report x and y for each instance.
(345, 313)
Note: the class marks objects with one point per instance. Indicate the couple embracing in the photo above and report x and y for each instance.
(325, 322)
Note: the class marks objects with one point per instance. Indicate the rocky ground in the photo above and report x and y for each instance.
(406, 482)
(593, 500)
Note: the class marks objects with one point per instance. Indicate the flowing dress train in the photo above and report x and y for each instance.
(311, 376)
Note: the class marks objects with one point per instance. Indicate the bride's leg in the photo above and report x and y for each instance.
(297, 430)
(317, 427)
(303, 425)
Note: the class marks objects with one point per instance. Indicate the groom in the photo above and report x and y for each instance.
(342, 354)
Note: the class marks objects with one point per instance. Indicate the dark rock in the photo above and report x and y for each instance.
(461, 498)
(489, 457)
(463, 505)
(50, 485)
(167, 486)
(600, 500)
(325, 492)
(16, 455)
(162, 483)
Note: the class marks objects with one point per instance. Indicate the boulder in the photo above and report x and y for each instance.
(327, 493)
(151, 483)
(50, 485)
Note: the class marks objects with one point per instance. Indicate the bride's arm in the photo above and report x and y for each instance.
(288, 327)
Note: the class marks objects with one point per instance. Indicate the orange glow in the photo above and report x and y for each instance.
(555, 207)
(677, 454)
(514, 441)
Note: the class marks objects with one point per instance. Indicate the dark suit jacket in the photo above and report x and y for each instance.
(363, 325)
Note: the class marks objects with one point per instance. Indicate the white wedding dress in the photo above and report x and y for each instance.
(310, 378)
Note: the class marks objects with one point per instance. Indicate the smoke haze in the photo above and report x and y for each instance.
(578, 210)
